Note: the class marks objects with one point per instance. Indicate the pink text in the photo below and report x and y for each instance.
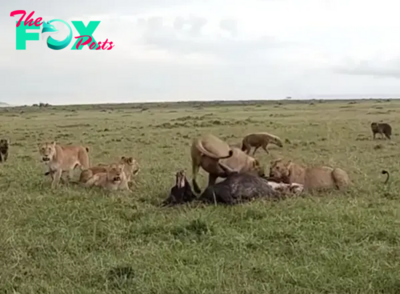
(28, 21)
(101, 46)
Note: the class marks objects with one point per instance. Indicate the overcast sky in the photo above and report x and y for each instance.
(171, 50)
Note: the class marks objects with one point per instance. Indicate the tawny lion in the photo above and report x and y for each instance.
(313, 178)
(258, 140)
(207, 146)
(113, 179)
(63, 158)
(238, 162)
(131, 168)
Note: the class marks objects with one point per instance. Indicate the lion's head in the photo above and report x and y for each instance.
(131, 165)
(279, 169)
(115, 173)
(47, 151)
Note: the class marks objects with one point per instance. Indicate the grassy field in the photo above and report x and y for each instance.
(73, 240)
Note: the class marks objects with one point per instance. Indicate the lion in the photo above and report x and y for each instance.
(207, 146)
(4, 143)
(382, 129)
(114, 178)
(131, 168)
(260, 139)
(312, 178)
(237, 163)
(63, 158)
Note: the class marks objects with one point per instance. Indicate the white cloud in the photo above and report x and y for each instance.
(220, 49)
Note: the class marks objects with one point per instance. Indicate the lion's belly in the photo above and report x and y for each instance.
(321, 182)
(65, 165)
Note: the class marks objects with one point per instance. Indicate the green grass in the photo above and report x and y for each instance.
(73, 240)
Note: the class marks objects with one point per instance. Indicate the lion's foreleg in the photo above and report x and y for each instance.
(195, 171)
(124, 186)
(56, 178)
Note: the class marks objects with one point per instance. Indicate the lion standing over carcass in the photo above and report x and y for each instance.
(218, 159)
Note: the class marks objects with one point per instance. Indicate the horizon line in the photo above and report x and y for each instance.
(249, 101)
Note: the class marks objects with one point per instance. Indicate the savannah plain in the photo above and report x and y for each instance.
(75, 240)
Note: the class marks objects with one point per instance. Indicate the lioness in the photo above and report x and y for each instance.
(131, 168)
(207, 146)
(239, 162)
(63, 158)
(382, 129)
(258, 140)
(313, 178)
(113, 178)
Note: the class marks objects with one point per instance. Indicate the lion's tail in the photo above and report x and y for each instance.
(385, 172)
(87, 149)
(204, 151)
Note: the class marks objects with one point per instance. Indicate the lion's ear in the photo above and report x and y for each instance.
(123, 158)
(129, 159)
(54, 143)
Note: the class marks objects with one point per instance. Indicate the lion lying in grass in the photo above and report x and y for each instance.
(313, 178)
(114, 178)
(131, 168)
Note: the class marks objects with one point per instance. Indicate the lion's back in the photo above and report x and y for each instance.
(75, 154)
(319, 177)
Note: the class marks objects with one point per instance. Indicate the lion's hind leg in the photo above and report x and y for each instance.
(340, 178)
